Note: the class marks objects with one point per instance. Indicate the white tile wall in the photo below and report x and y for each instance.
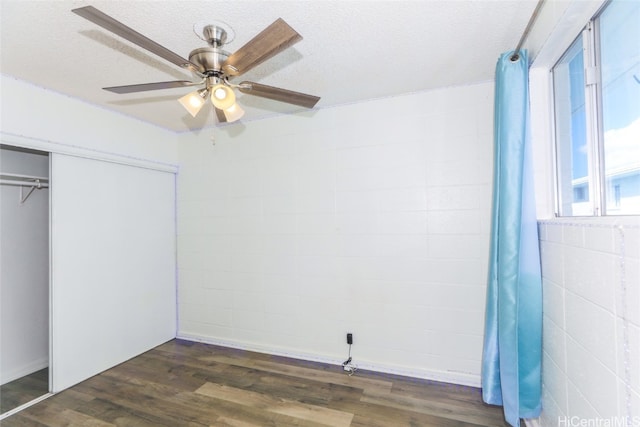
(591, 280)
(370, 218)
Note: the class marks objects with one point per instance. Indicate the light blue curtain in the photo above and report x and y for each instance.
(512, 353)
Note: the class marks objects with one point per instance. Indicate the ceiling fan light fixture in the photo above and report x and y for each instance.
(212, 64)
(222, 96)
(233, 113)
(193, 101)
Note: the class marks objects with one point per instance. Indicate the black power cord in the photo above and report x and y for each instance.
(347, 365)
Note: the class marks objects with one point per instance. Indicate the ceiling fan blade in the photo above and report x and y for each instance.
(278, 94)
(222, 118)
(271, 41)
(108, 23)
(143, 87)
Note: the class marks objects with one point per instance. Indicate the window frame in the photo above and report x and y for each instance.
(589, 37)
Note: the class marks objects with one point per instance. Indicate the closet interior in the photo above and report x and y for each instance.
(24, 276)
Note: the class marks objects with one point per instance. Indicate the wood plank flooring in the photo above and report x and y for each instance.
(24, 390)
(188, 384)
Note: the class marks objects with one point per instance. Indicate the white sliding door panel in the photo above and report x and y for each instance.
(113, 264)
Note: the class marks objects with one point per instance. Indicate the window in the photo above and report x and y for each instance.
(597, 116)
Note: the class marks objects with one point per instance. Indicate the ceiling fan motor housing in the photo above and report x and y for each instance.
(210, 59)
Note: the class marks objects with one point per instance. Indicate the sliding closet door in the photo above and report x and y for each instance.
(113, 264)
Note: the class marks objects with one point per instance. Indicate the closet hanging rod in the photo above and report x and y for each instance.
(24, 183)
(22, 176)
(21, 180)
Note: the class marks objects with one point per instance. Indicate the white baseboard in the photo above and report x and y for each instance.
(24, 370)
(457, 378)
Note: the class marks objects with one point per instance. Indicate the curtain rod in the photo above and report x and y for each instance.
(532, 20)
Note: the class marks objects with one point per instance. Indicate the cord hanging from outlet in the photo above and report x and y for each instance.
(349, 367)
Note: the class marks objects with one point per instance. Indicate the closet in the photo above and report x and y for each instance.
(89, 277)
(24, 276)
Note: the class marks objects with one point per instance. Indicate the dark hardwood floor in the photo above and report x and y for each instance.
(24, 390)
(182, 383)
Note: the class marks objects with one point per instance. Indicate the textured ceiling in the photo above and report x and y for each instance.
(351, 51)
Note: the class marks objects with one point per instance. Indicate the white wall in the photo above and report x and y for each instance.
(370, 218)
(591, 363)
(591, 359)
(41, 115)
(591, 279)
(24, 270)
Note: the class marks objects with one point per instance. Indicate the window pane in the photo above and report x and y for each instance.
(571, 137)
(620, 70)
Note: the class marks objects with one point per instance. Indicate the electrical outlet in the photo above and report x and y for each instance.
(349, 338)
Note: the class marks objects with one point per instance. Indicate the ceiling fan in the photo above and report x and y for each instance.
(213, 65)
